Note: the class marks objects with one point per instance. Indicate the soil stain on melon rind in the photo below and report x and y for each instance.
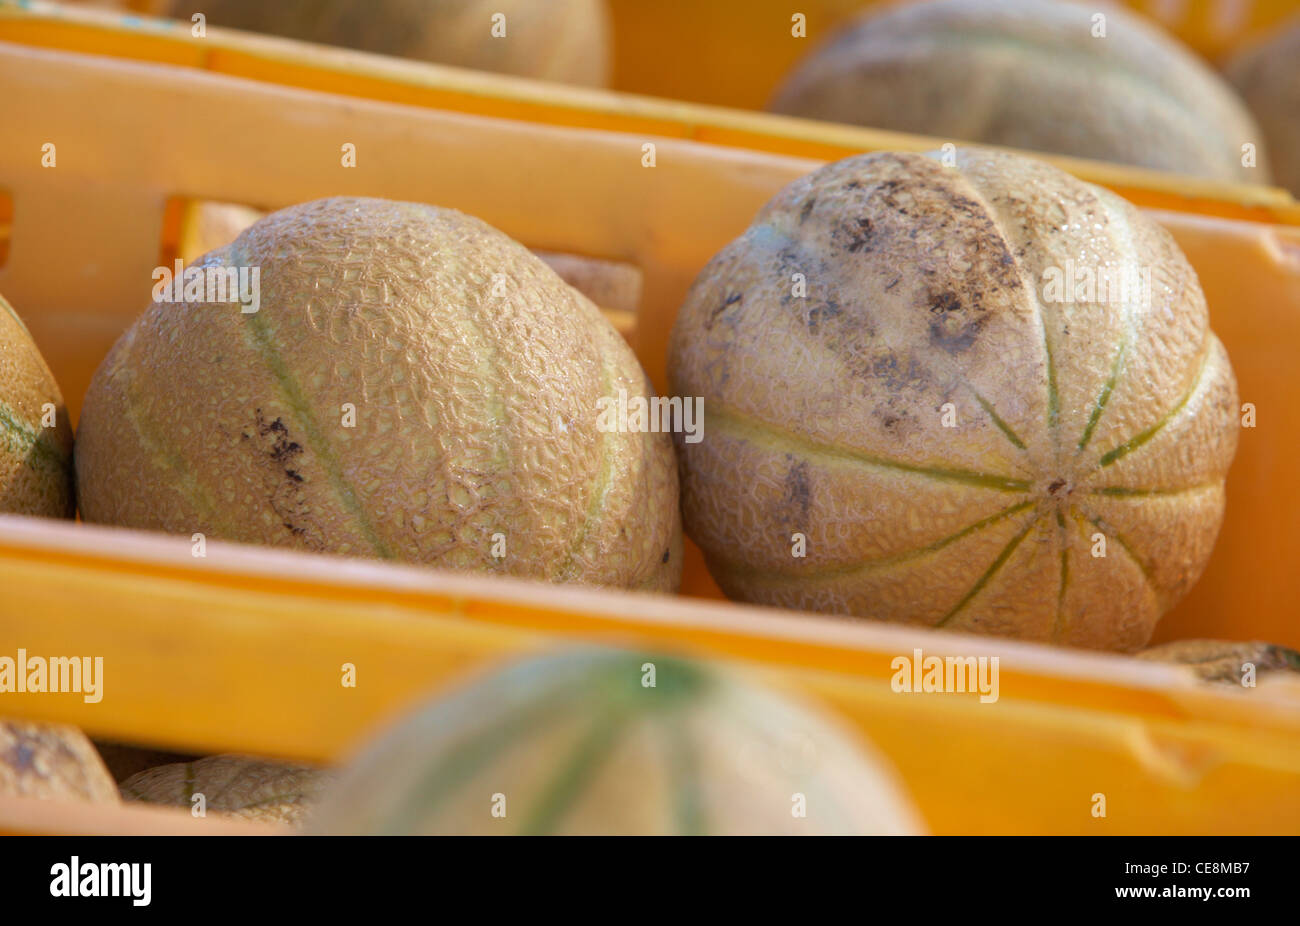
(732, 299)
(278, 456)
(797, 500)
(951, 328)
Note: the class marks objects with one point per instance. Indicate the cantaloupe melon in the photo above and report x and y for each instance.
(918, 409)
(604, 742)
(35, 437)
(1267, 75)
(1226, 660)
(1034, 74)
(51, 761)
(560, 40)
(238, 786)
(415, 386)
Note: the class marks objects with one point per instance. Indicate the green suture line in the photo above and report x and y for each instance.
(988, 573)
(189, 782)
(1002, 425)
(889, 560)
(320, 446)
(623, 703)
(691, 820)
(599, 492)
(164, 454)
(560, 794)
(28, 438)
(1058, 627)
(1129, 550)
(441, 778)
(610, 687)
(1053, 396)
(1137, 441)
(1100, 404)
(757, 433)
(1125, 492)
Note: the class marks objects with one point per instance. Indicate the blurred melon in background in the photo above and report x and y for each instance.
(567, 41)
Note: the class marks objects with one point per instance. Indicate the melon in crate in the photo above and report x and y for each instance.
(51, 761)
(561, 40)
(35, 437)
(1043, 75)
(404, 382)
(237, 786)
(604, 742)
(965, 390)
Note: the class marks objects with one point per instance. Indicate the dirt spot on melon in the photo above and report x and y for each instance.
(797, 501)
(732, 299)
(277, 456)
(854, 236)
(954, 326)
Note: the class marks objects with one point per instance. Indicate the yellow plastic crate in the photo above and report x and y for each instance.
(241, 650)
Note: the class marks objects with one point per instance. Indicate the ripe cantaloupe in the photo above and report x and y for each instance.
(51, 761)
(918, 410)
(1225, 660)
(415, 386)
(561, 40)
(577, 743)
(237, 786)
(1267, 75)
(35, 460)
(1029, 74)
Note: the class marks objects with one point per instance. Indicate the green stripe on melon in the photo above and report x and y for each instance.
(576, 743)
(35, 461)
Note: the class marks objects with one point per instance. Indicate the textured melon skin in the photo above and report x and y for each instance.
(925, 286)
(35, 461)
(1224, 660)
(561, 40)
(237, 786)
(475, 373)
(1267, 76)
(1028, 74)
(51, 761)
(577, 745)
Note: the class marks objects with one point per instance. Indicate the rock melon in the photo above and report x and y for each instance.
(1268, 77)
(415, 386)
(561, 40)
(918, 410)
(237, 786)
(35, 460)
(576, 743)
(51, 761)
(1029, 74)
